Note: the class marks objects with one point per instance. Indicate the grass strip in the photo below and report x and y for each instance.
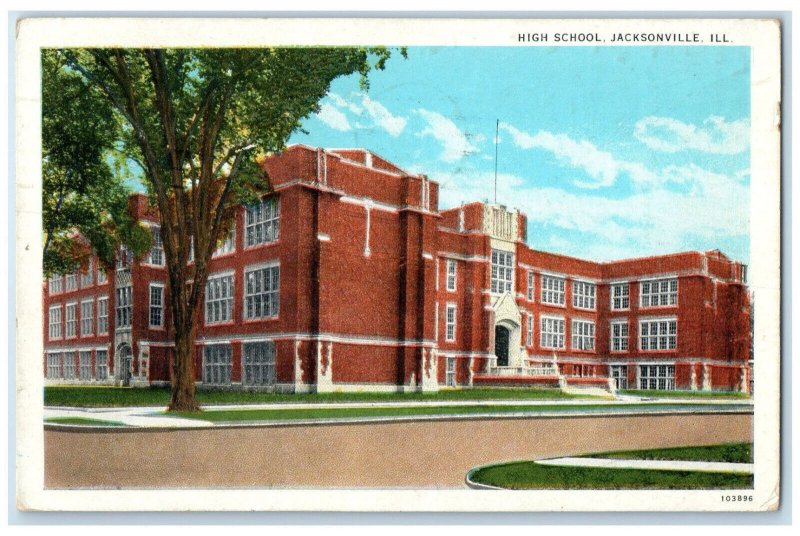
(727, 452)
(83, 421)
(684, 394)
(239, 415)
(531, 475)
(85, 396)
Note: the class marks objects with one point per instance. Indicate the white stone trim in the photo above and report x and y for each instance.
(464, 355)
(261, 265)
(652, 277)
(548, 273)
(371, 203)
(455, 231)
(222, 273)
(330, 337)
(436, 322)
(646, 317)
(60, 349)
(461, 257)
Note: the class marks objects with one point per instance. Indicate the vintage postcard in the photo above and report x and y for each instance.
(398, 264)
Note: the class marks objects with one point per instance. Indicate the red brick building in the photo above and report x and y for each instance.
(349, 277)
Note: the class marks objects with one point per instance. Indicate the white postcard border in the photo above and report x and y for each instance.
(761, 35)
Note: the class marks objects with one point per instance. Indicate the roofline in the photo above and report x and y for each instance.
(332, 151)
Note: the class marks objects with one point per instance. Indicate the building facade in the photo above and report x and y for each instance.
(349, 277)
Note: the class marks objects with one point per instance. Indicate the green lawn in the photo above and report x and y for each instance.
(83, 421)
(239, 415)
(530, 475)
(728, 452)
(684, 394)
(159, 396)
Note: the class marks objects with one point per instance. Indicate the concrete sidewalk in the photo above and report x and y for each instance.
(661, 465)
(138, 417)
(154, 417)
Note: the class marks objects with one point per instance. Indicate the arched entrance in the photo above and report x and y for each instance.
(125, 354)
(501, 339)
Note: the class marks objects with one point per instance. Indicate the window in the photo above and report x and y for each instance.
(54, 365)
(190, 259)
(124, 305)
(530, 330)
(102, 276)
(54, 284)
(69, 365)
(659, 293)
(552, 332)
(102, 316)
(620, 294)
(156, 256)
(217, 364)
(530, 286)
(451, 275)
(87, 318)
(660, 377)
(101, 364)
(261, 222)
(583, 295)
(658, 334)
(54, 322)
(71, 281)
(124, 259)
(259, 363)
(229, 245)
(450, 372)
(619, 336)
(582, 335)
(620, 375)
(450, 322)
(219, 299)
(87, 276)
(85, 361)
(156, 305)
(502, 271)
(261, 292)
(553, 290)
(71, 319)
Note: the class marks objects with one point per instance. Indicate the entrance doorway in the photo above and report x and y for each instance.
(501, 338)
(125, 359)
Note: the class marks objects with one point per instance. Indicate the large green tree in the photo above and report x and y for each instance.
(195, 121)
(82, 195)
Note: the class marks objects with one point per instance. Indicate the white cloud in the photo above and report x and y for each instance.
(379, 115)
(393, 124)
(339, 101)
(715, 135)
(332, 117)
(455, 144)
(603, 167)
(654, 222)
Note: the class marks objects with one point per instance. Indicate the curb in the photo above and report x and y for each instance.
(397, 419)
(477, 485)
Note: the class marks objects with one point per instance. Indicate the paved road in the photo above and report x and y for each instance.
(433, 454)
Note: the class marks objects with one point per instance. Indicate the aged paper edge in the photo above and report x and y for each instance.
(763, 38)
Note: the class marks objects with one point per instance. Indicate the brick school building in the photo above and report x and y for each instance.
(348, 276)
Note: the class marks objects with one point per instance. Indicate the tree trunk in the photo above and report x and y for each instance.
(183, 388)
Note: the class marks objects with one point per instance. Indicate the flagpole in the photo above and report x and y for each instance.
(496, 136)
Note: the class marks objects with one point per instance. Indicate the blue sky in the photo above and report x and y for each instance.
(612, 152)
